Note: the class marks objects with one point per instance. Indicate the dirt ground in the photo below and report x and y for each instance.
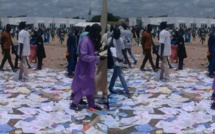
(55, 54)
(196, 55)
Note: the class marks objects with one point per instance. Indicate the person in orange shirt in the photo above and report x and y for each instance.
(147, 44)
(6, 45)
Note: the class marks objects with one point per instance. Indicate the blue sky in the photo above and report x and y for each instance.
(124, 8)
(180, 8)
(49, 8)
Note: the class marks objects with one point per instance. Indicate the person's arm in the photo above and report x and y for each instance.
(68, 45)
(11, 42)
(13, 47)
(21, 49)
(84, 53)
(143, 42)
(162, 40)
(2, 42)
(153, 44)
(162, 48)
(209, 44)
(21, 44)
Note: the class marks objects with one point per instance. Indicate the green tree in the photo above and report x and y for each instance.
(76, 17)
(110, 17)
(96, 18)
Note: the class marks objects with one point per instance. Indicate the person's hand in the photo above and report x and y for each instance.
(102, 57)
(96, 53)
(106, 47)
(118, 59)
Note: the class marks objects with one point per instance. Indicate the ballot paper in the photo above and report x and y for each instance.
(41, 105)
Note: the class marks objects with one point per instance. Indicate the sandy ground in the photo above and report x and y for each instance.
(196, 55)
(55, 53)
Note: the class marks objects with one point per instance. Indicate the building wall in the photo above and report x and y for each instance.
(46, 20)
(174, 20)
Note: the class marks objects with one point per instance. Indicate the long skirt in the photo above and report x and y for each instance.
(174, 54)
(33, 54)
(101, 77)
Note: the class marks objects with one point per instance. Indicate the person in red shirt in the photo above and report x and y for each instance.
(147, 44)
(6, 45)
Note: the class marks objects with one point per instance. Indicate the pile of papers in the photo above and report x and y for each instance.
(181, 105)
(41, 105)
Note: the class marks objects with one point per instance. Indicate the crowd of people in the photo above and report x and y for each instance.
(22, 49)
(90, 54)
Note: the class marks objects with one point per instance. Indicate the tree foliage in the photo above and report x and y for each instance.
(76, 17)
(110, 17)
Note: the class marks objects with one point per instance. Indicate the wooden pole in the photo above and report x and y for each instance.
(103, 20)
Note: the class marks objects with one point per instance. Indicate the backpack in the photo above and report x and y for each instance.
(110, 56)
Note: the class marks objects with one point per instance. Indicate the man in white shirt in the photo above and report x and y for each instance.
(23, 51)
(116, 42)
(164, 51)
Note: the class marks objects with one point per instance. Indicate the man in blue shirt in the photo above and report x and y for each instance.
(82, 35)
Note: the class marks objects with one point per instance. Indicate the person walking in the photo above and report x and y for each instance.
(71, 57)
(83, 83)
(117, 44)
(147, 44)
(23, 51)
(6, 44)
(123, 37)
(128, 44)
(40, 50)
(164, 51)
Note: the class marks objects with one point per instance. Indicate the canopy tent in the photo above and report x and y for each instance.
(84, 24)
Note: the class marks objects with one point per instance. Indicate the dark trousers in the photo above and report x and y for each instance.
(148, 56)
(7, 56)
(39, 64)
(72, 60)
(157, 62)
(211, 66)
(180, 63)
(78, 96)
(17, 60)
